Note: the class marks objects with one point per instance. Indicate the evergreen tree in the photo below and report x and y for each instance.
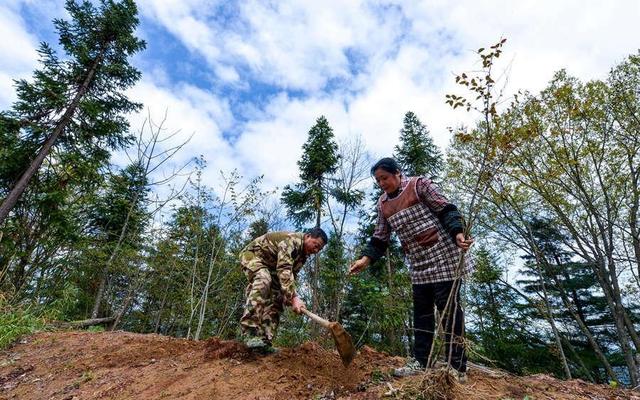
(333, 277)
(76, 104)
(416, 152)
(319, 160)
(258, 228)
(307, 199)
(499, 325)
(573, 294)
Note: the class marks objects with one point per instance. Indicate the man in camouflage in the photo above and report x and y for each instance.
(271, 263)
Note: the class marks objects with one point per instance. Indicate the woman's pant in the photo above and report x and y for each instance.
(425, 296)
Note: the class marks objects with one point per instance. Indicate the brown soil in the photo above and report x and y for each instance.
(121, 365)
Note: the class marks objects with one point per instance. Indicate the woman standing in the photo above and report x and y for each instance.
(431, 233)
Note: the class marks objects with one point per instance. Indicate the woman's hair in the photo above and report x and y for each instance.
(387, 164)
(318, 233)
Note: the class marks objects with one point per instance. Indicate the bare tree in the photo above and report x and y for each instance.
(150, 157)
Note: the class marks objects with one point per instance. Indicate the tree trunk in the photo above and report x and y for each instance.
(577, 357)
(83, 323)
(615, 290)
(205, 292)
(193, 305)
(621, 332)
(133, 289)
(587, 332)
(315, 278)
(546, 313)
(112, 256)
(161, 309)
(552, 322)
(637, 369)
(100, 292)
(631, 327)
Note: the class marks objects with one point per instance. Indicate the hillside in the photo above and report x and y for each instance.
(121, 365)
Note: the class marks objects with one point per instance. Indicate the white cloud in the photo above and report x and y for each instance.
(19, 56)
(419, 72)
(587, 38)
(194, 115)
(272, 144)
(408, 51)
(295, 45)
(362, 64)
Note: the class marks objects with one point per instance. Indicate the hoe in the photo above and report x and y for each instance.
(342, 339)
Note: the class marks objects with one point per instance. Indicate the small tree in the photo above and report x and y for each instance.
(319, 160)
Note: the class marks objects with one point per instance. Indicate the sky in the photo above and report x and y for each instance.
(246, 80)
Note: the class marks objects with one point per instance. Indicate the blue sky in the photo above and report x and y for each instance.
(247, 79)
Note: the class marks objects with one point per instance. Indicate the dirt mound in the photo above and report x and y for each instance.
(216, 349)
(120, 365)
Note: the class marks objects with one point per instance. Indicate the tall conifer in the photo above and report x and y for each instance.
(77, 103)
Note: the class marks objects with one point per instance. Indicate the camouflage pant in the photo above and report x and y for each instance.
(264, 299)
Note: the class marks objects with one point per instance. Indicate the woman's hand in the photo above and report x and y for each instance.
(359, 265)
(462, 242)
(297, 305)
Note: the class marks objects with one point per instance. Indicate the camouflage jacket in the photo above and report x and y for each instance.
(282, 253)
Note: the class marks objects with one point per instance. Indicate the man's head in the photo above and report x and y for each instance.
(314, 240)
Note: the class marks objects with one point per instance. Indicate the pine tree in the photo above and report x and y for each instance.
(77, 104)
(306, 201)
(319, 160)
(572, 292)
(499, 325)
(258, 228)
(416, 153)
(333, 277)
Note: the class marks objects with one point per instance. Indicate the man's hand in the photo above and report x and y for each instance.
(359, 265)
(297, 305)
(463, 243)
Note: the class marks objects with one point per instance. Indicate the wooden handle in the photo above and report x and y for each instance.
(316, 318)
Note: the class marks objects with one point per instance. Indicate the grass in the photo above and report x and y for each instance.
(16, 322)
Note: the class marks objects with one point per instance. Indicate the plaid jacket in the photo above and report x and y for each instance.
(426, 224)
